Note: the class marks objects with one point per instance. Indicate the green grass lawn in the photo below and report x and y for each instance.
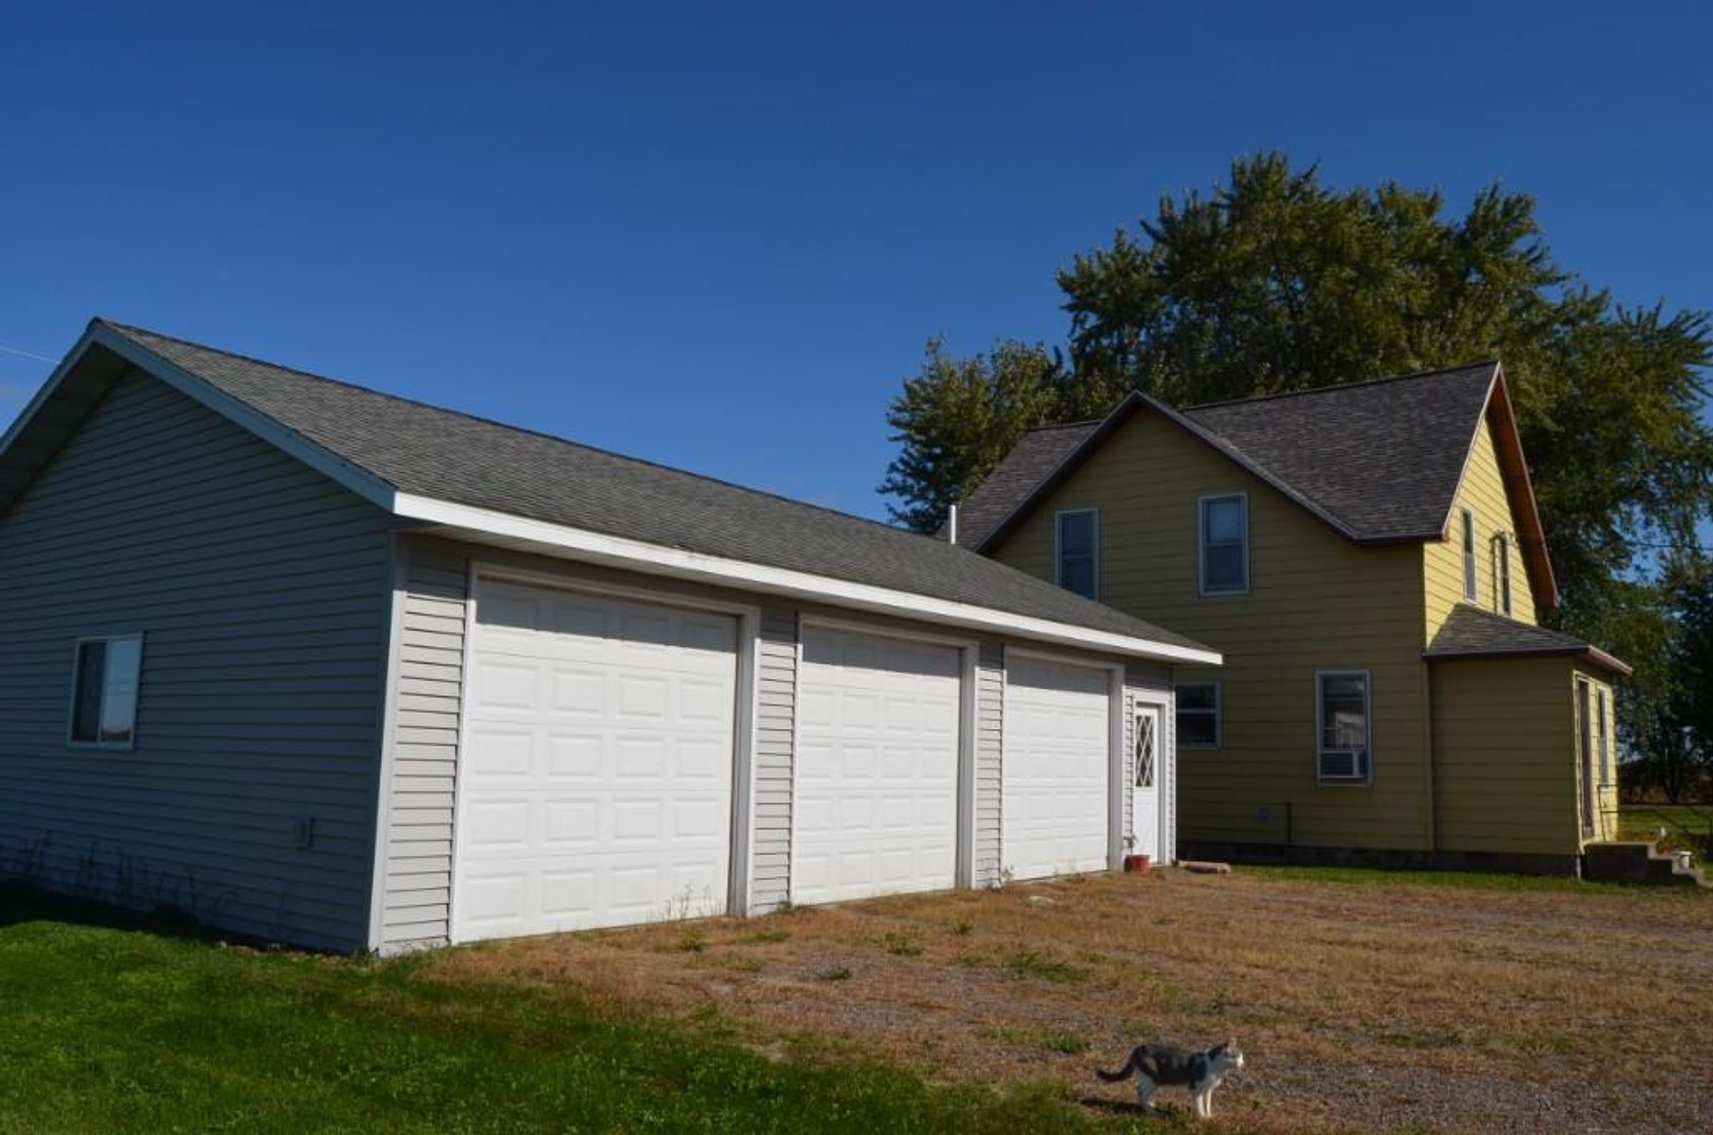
(1694, 819)
(121, 1028)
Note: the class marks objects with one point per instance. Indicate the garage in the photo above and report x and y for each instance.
(1055, 797)
(876, 799)
(596, 781)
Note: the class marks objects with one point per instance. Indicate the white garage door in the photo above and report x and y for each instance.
(1057, 742)
(595, 784)
(876, 803)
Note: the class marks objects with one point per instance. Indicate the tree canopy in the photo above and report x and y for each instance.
(1276, 282)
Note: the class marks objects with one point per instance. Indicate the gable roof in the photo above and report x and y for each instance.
(1474, 632)
(1378, 462)
(468, 476)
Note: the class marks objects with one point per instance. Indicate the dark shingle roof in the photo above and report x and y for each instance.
(1027, 465)
(1380, 461)
(428, 451)
(1472, 632)
(1383, 458)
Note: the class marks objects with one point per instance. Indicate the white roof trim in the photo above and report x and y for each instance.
(682, 563)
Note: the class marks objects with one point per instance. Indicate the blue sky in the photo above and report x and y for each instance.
(718, 236)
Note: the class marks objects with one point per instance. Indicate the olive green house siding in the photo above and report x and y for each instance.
(1391, 531)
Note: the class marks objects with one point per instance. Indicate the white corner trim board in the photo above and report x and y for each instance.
(682, 563)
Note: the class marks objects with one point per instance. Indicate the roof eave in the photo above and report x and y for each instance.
(486, 526)
(1582, 651)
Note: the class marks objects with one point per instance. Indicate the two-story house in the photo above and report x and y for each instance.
(1371, 563)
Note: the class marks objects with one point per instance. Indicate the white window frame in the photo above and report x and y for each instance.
(1058, 547)
(1471, 592)
(1218, 712)
(71, 738)
(1502, 576)
(1367, 777)
(1201, 543)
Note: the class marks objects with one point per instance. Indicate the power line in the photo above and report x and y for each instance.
(27, 354)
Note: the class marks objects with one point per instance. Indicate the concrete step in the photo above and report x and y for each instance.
(1636, 861)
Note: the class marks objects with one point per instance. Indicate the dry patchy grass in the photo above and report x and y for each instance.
(1376, 1008)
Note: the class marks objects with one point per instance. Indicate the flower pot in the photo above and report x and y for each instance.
(1138, 864)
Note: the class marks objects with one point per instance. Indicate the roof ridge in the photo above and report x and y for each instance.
(124, 327)
(1341, 386)
(1065, 425)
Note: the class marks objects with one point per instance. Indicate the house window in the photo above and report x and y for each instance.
(1502, 577)
(1602, 737)
(1469, 555)
(104, 690)
(1342, 724)
(1198, 715)
(1077, 545)
(1225, 545)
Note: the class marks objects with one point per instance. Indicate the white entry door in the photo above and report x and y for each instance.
(1055, 775)
(1145, 782)
(875, 803)
(595, 780)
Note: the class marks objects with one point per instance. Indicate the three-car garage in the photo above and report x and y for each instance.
(605, 760)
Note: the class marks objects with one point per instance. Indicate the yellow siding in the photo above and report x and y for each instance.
(1315, 602)
(1505, 745)
(1483, 490)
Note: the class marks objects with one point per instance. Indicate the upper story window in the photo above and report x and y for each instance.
(1502, 577)
(1198, 715)
(1469, 555)
(1224, 526)
(104, 691)
(1342, 716)
(1076, 544)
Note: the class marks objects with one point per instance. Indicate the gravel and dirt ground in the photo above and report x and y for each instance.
(1362, 1006)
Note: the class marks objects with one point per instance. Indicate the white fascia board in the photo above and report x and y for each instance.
(353, 477)
(682, 563)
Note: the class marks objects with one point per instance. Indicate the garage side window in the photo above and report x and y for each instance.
(1224, 524)
(1198, 715)
(1077, 546)
(1342, 715)
(104, 690)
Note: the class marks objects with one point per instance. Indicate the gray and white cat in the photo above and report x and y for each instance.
(1160, 1065)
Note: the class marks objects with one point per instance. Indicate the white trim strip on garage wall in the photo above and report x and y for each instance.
(1115, 753)
(596, 547)
(739, 854)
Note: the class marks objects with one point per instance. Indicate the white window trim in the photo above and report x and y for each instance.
(1366, 781)
(1466, 553)
(1201, 544)
(71, 740)
(1058, 551)
(1218, 716)
(1502, 598)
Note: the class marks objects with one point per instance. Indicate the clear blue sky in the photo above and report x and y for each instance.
(717, 236)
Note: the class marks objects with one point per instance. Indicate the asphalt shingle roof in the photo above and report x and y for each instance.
(1036, 455)
(1382, 460)
(442, 454)
(1473, 632)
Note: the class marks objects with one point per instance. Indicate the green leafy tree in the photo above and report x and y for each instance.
(958, 417)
